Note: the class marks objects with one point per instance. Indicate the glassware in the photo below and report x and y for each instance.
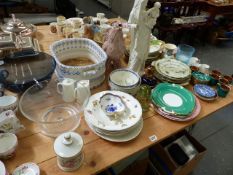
(143, 96)
(184, 53)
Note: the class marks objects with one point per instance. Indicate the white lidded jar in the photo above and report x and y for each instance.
(68, 148)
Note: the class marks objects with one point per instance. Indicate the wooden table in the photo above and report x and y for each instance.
(99, 154)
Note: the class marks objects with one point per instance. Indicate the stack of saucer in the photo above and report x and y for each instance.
(113, 115)
(175, 102)
(172, 71)
(205, 92)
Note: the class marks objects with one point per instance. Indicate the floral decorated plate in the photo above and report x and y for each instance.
(97, 117)
(173, 99)
(120, 138)
(172, 68)
(27, 169)
(204, 91)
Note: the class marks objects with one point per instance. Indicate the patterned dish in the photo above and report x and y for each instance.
(97, 117)
(172, 68)
(79, 47)
(204, 91)
(27, 169)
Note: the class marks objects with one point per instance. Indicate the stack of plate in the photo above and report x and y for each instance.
(172, 71)
(175, 102)
(205, 92)
(116, 129)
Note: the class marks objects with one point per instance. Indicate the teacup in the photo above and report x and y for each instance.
(222, 90)
(216, 72)
(8, 145)
(204, 68)
(224, 81)
(170, 49)
(100, 15)
(229, 78)
(8, 103)
(214, 78)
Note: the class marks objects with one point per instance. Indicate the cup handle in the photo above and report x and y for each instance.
(59, 88)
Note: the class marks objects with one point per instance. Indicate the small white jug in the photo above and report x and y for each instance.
(194, 61)
(67, 89)
(204, 68)
(82, 91)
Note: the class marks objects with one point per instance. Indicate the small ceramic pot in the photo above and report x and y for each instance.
(8, 103)
(216, 72)
(222, 90)
(8, 145)
(229, 78)
(214, 78)
(68, 147)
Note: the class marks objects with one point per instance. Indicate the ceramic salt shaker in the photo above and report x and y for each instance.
(68, 148)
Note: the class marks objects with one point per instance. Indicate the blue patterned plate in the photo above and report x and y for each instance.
(204, 91)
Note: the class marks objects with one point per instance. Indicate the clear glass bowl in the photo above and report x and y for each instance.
(43, 105)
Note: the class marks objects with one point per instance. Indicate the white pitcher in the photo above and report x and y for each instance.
(82, 91)
(67, 89)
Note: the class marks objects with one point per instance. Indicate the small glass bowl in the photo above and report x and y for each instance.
(43, 105)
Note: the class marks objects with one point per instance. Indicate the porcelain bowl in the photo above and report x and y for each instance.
(124, 80)
(79, 47)
(8, 145)
(8, 103)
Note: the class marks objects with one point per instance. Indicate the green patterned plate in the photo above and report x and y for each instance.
(173, 99)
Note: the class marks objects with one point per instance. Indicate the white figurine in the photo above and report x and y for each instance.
(140, 35)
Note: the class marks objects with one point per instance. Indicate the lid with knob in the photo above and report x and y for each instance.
(68, 144)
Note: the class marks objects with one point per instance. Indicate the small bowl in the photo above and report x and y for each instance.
(229, 78)
(8, 145)
(27, 168)
(222, 90)
(128, 86)
(8, 103)
(112, 104)
(124, 78)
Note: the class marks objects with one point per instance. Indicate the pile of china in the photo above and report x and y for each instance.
(115, 116)
(174, 102)
(172, 71)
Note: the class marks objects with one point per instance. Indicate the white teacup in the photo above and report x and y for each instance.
(100, 15)
(8, 103)
(67, 89)
(194, 61)
(204, 68)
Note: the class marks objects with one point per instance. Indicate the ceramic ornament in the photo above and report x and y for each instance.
(144, 21)
(115, 48)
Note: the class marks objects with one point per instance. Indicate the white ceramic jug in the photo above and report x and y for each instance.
(67, 89)
(82, 91)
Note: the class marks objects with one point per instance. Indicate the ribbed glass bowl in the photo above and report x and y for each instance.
(43, 105)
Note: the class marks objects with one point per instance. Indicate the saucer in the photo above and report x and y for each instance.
(204, 91)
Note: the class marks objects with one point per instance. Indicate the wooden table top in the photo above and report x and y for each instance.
(99, 154)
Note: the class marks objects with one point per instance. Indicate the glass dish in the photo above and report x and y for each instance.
(43, 105)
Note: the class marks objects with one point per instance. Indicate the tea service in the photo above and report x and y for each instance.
(72, 90)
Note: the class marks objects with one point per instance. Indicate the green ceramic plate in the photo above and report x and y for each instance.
(173, 99)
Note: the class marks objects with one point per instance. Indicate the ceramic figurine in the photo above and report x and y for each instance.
(88, 32)
(140, 35)
(115, 48)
